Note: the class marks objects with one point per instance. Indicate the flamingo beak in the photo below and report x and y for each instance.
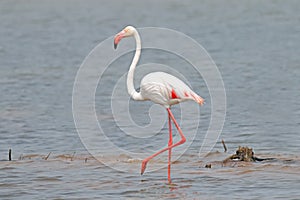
(118, 38)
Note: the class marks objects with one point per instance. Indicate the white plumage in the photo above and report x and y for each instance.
(166, 89)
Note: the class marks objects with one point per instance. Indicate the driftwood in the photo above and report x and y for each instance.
(245, 154)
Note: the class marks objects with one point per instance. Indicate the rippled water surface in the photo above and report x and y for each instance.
(255, 46)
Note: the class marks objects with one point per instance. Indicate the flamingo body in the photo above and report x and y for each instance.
(166, 89)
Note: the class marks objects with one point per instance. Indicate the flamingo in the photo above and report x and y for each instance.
(160, 88)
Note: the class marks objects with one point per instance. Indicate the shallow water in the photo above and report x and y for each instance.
(254, 44)
(81, 176)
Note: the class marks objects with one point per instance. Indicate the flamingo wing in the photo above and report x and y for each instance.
(166, 89)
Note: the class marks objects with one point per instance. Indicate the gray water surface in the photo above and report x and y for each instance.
(255, 44)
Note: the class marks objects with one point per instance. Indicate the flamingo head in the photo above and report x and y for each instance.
(128, 31)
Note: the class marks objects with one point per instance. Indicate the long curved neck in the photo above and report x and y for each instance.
(130, 86)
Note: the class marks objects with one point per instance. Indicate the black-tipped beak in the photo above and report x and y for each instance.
(118, 38)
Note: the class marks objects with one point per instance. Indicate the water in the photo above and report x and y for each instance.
(254, 44)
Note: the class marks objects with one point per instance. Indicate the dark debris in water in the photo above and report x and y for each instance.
(242, 155)
(50, 156)
(245, 154)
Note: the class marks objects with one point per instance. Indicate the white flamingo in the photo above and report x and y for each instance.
(160, 88)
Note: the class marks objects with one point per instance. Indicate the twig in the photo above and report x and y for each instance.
(46, 158)
(73, 156)
(9, 154)
(225, 148)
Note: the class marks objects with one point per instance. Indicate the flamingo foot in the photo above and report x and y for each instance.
(144, 164)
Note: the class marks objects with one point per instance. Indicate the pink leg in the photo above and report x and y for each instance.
(145, 161)
(170, 150)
